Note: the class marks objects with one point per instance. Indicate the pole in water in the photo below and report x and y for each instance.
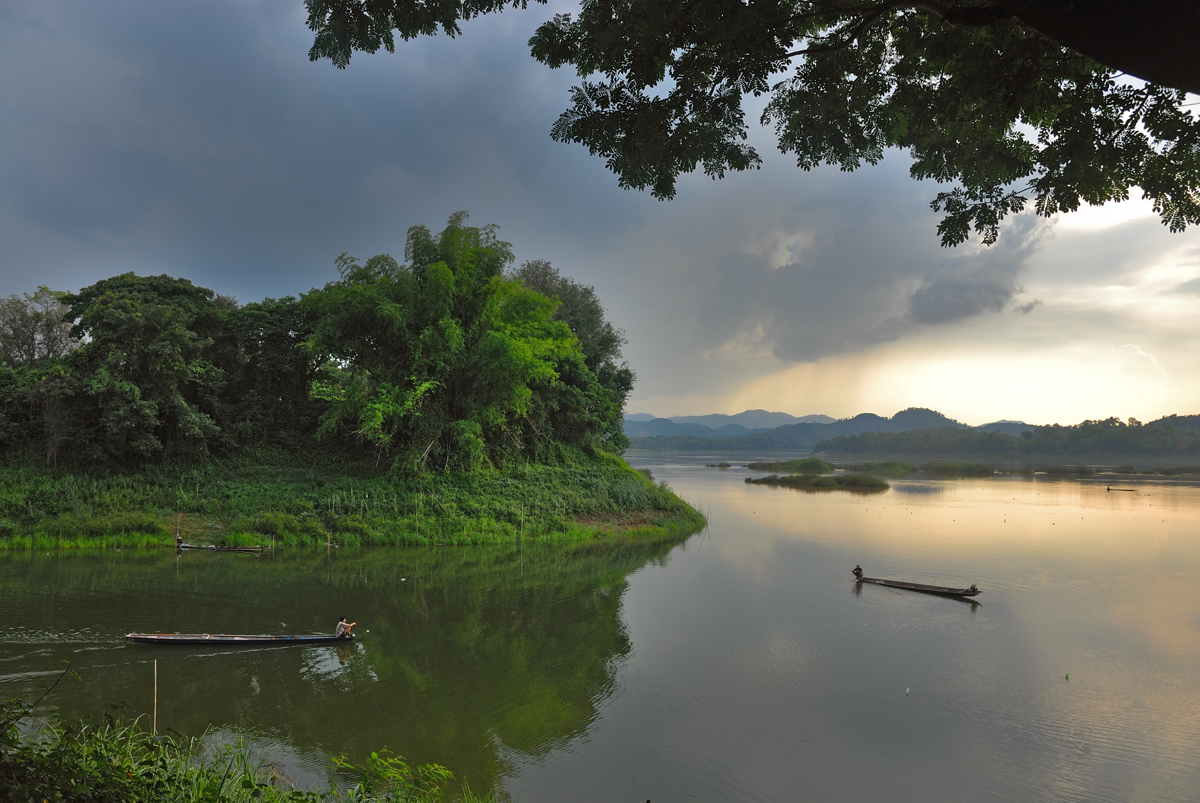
(154, 720)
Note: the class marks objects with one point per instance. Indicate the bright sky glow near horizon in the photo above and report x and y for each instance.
(198, 140)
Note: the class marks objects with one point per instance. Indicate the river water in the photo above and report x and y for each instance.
(741, 663)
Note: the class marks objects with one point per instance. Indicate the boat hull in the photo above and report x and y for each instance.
(222, 640)
(213, 548)
(944, 591)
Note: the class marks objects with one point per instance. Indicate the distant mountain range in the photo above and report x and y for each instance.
(921, 434)
(749, 420)
(1173, 440)
(764, 431)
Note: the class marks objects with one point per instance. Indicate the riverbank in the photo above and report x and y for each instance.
(117, 760)
(285, 499)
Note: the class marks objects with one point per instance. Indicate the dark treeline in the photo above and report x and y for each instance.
(453, 360)
(1174, 437)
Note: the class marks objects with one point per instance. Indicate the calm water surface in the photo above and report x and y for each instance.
(741, 663)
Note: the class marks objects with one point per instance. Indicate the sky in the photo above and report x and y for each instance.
(197, 139)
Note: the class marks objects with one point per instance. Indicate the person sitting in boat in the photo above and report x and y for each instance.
(343, 629)
(974, 589)
(858, 572)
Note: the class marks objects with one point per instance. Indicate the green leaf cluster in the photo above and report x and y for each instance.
(983, 100)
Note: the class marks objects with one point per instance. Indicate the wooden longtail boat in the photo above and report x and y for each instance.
(944, 591)
(214, 548)
(217, 639)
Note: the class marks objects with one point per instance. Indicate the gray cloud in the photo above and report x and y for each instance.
(197, 139)
(953, 298)
(1025, 309)
(981, 283)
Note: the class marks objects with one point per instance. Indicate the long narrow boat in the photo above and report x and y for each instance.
(944, 591)
(215, 548)
(231, 641)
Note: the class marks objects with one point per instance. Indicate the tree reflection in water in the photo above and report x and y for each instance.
(463, 656)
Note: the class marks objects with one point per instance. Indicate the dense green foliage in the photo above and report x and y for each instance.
(982, 98)
(32, 328)
(285, 499)
(1173, 437)
(885, 468)
(854, 482)
(114, 761)
(807, 465)
(438, 401)
(441, 363)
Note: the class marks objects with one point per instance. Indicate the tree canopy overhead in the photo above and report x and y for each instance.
(1008, 103)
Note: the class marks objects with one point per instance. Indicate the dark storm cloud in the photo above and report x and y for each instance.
(197, 139)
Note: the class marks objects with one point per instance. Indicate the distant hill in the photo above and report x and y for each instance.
(796, 438)
(662, 434)
(749, 420)
(1013, 428)
(664, 426)
(922, 434)
(1173, 439)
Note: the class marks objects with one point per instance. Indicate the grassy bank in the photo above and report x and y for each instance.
(808, 465)
(851, 482)
(288, 499)
(85, 762)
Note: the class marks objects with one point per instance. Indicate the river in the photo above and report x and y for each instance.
(741, 663)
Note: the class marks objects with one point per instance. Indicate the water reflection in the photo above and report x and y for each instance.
(736, 668)
(463, 656)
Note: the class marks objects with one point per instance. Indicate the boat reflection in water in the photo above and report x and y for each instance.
(469, 658)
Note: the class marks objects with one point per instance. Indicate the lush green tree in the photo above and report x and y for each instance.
(443, 362)
(579, 308)
(996, 99)
(32, 328)
(269, 371)
(142, 385)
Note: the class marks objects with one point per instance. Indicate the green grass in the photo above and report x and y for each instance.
(857, 482)
(809, 465)
(884, 468)
(113, 761)
(957, 468)
(280, 499)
